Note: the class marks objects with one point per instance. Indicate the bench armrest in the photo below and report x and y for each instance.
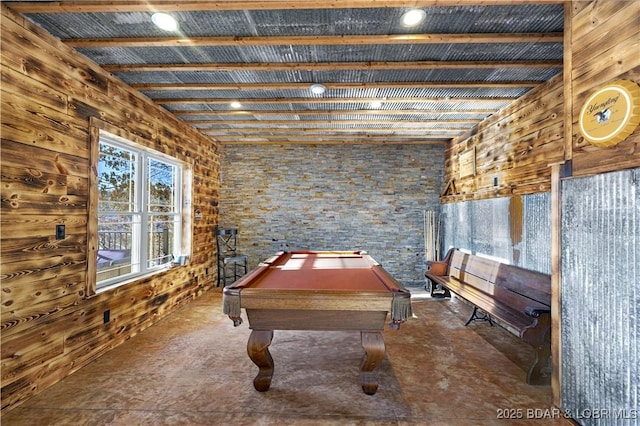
(440, 268)
(536, 312)
(437, 268)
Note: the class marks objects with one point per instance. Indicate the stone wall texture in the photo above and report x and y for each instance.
(333, 197)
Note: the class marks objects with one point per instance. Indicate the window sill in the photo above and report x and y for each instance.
(136, 278)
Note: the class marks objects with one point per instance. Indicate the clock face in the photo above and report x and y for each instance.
(611, 113)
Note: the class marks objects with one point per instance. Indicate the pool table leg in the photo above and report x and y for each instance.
(373, 345)
(258, 350)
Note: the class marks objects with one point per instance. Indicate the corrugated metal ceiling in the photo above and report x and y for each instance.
(463, 62)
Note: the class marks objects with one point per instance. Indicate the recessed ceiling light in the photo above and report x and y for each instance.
(318, 89)
(376, 104)
(236, 104)
(164, 21)
(413, 17)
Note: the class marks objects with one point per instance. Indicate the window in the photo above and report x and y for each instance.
(139, 210)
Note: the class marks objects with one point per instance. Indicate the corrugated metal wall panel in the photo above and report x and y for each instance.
(516, 230)
(536, 244)
(601, 298)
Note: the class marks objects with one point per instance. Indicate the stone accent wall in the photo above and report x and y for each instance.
(333, 197)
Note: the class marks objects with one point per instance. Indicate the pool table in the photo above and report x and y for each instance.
(317, 290)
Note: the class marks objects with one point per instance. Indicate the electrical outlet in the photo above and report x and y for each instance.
(60, 232)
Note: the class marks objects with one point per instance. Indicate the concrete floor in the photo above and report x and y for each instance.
(192, 369)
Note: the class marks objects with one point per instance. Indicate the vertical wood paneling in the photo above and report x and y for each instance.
(50, 327)
(92, 210)
(556, 279)
(567, 64)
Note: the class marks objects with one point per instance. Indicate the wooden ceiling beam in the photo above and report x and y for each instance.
(277, 101)
(89, 6)
(326, 122)
(325, 40)
(298, 86)
(340, 141)
(338, 137)
(329, 66)
(317, 130)
(331, 112)
(334, 138)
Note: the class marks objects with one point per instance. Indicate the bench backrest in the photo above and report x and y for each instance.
(515, 286)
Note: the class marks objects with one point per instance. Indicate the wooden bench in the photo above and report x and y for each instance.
(518, 298)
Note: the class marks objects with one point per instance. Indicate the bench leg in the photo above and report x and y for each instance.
(538, 335)
(539, 373)
(475, 317)
(436, 290)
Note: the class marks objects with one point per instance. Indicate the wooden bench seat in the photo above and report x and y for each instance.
(518, 298)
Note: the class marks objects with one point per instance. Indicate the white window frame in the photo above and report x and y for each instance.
(181, 223)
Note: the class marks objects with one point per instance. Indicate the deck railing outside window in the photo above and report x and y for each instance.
(114, 251)
(121, 240)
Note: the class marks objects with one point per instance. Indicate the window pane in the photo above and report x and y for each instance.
(116, 179)
(162, 186)
(115, 242)
(161, 235)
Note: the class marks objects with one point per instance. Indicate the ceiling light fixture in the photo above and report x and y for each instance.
(164, 21)
(318, 89)
(236, 104)
(413, 17)
(376, 104)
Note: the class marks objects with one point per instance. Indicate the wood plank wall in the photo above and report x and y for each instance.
(606, 47)
(50, 328)
(513, 148)
(517, 145)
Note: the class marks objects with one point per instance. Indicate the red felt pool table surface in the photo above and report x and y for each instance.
(317, 271)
